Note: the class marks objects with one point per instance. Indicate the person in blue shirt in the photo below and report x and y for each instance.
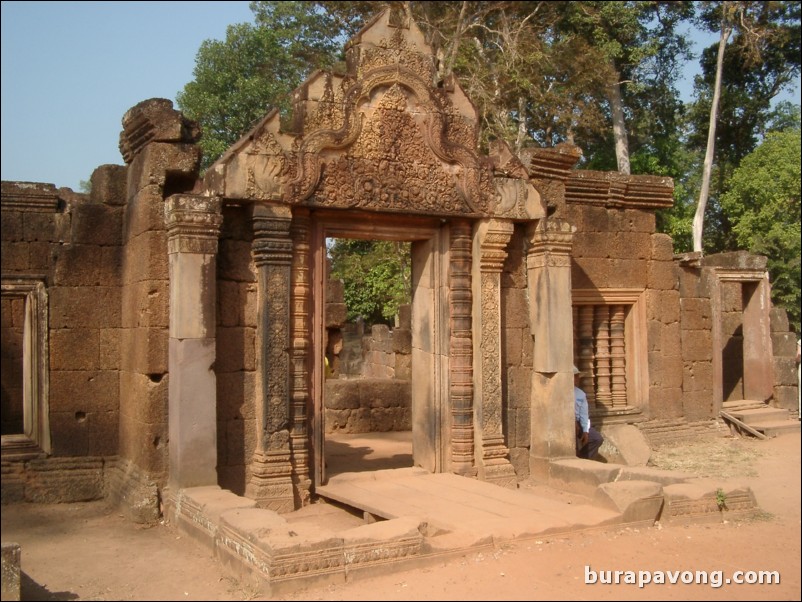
(588, 439)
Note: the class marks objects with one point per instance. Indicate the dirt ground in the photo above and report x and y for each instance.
(86, 552)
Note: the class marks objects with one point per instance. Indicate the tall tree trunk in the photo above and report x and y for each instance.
(619, 125)
(704, 192)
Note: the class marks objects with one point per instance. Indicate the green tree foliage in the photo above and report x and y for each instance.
(377, 277)
(763, 206)
(760, 61)
(256, 68)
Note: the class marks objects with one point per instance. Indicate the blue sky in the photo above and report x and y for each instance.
(70, 71)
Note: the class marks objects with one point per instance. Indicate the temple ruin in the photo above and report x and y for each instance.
(167, 331)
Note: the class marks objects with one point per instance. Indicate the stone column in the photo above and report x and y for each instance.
(193, 225)
(301, 344)
(548, 264)
(270, 481)
(461, 350)
(490, 250)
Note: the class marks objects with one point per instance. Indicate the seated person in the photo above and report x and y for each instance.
(588, 439)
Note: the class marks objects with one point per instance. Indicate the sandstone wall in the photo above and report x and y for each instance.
(72, 244)
(236, 349)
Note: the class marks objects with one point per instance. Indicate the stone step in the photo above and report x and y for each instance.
(760, 416)
(742, 404)
(780, 427)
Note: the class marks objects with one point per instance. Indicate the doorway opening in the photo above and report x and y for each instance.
(368, 355)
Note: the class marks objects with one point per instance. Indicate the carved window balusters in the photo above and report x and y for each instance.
(600, 350)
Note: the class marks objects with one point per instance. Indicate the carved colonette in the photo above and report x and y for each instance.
(270, 482)
(301, 344)
(492, 237)
(193, 226)
(461, 392)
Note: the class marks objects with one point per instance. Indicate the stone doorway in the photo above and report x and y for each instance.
(429, 333)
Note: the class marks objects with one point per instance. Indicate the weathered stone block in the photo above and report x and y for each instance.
(248, 297)
(236, 393)
(144, 350)
(662, 247)
(698, 405)
(109, 185)
(690, 283)
(109, 349)
(336, 314)
(39, 227)
(144, 212)
(663, 276)
(14, 256)
(229, 305)
(696, 314)
(590, 272)
(785, 371)
(11, 226)
(630, 245)
(697, 345)
(627, 273)
(403, 367)
(342, 394)
(97, 225)
(786, 397)
(335, 291)
(778, 318)
(731, 297)
(84, 390)
(665, 370)
(592, 244)
(143, 398)
(665, 403)
(402, 341)
(515, 309)
(74, 349)
(519, 458)
(511, 350)
(697, 376)
(663, 306)
(404, 316)
(236, 349)
(85, 307)
(159, 161)
(519, 386)
(234, 261)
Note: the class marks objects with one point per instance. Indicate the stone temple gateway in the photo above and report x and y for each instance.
(166, 331)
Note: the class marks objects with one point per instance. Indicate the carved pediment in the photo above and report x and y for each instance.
(382, 137)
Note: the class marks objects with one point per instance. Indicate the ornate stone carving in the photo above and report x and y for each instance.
(300, 320)
(271, 481)
(193, 223)
(551, 244)
(494, 236)
(461, 393)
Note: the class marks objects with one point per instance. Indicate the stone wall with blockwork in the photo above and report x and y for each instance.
(786, 381)
(235, 366)
(73, 244)
(617, 247)
(516, 356)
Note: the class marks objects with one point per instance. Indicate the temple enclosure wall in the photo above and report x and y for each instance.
(168, 330)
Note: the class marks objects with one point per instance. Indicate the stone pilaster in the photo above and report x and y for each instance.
(301, 344)
(461, 351)
(548, 264)
(270, 481)
(193, 225)
(490, 250)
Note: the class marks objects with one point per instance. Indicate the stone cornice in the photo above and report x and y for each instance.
(613, 189)
(29, 196)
